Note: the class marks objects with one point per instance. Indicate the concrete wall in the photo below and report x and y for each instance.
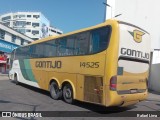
(154, 79)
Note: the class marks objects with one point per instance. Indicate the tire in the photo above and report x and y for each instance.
(68, 94)
(54, 91)
(15, 79)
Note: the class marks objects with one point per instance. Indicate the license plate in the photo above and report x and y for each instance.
(134, 91)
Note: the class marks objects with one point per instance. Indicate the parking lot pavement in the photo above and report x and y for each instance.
(25, 98)
(154, 95)
(4, 77)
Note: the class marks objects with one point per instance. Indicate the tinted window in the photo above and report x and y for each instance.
(50, 48)
(33, 53)
(82, 43)
(39, 50)
(70, 48)
(62, 45)
(23, 53)
(99, 39)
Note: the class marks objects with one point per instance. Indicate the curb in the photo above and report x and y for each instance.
(153, 96)
(3, 74)
(154, 92)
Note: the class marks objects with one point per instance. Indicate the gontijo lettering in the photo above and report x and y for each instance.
(48, 64)
(134, 53)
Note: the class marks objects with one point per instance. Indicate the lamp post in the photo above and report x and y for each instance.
(108, 6)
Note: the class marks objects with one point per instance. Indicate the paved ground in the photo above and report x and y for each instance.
(25, 98)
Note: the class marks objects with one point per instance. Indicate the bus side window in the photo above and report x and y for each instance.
(40, 50)
(50, 49)
(33, 51)
(82, 43)
(99, 39)
(94, 46)
(70, 45)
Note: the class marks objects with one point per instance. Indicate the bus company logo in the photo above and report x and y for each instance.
(137, 35)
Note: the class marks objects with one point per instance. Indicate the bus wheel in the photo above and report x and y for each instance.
(54, 91)
(68, 93)
(15, 79)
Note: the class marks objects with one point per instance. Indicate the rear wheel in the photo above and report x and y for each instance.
(54, 91)
(68, 93)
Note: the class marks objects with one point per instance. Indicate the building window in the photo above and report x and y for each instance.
(20, 23)
(21, 16)
(35, 38)
(34, 32)
(21, 30)
(13, 38)
(35, 24)
(6, 18)
(6, 24)
(15, 16)
(28, 30)
(2, 34)
(53, 31)
(22, 41)
(29, 16)
(29, 42)
(59, 32)
(14, 23)
(28, 23)
(36, 16)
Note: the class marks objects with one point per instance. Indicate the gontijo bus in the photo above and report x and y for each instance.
(106, 64)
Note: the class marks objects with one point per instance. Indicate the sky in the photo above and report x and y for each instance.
(66, 15)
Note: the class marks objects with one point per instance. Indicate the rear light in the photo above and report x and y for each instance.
(113, 83)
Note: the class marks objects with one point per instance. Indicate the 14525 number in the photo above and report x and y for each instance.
(89, 64)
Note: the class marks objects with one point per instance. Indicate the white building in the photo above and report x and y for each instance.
(9, 40)
(145, 14)
(33, 24)
(54, 31)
